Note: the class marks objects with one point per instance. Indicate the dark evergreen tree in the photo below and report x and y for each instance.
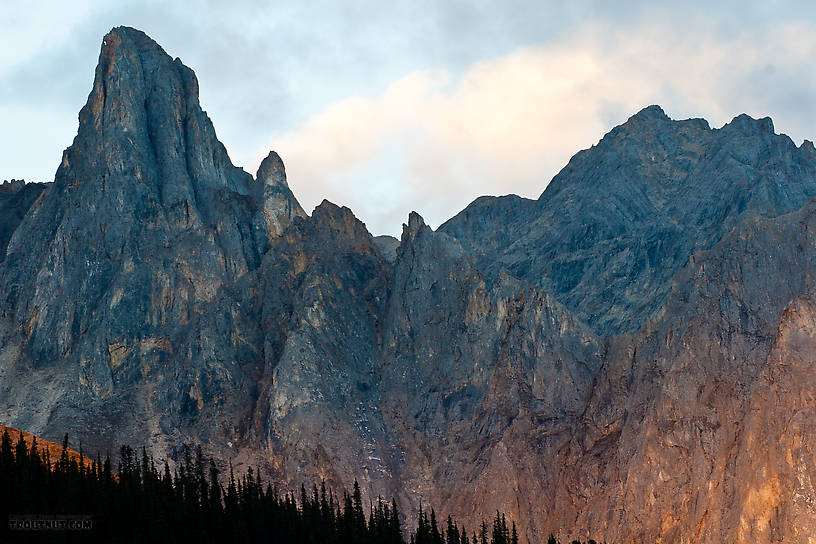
(483, 534)
(436, 536)
(451, 532)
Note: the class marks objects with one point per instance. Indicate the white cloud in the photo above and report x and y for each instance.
(433, 143)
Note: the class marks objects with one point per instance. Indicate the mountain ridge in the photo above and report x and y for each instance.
(632, 201)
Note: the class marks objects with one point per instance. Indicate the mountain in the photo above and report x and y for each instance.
(611, 360)
(622, 218)
(112, 275)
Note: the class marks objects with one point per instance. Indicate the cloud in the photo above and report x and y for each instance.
(432, 141)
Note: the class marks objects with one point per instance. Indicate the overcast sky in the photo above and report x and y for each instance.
(388, 107)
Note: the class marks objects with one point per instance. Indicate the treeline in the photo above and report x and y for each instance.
(143, 502)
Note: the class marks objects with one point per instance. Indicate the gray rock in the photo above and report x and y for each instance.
(279, 204)
(622, 218)
(114, 281)
(388, 247)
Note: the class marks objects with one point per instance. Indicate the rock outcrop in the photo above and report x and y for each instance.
(629, 357)
(279, 204)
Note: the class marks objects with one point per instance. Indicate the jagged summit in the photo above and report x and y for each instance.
(130, 35)
(646, 131)
(271, 171)
(144, 109)
(280, 205)
(12, 185)
(123, 42)
(415, 224)
(339, 219)
(623, 217)
(145, 201)
(653, 113)
(746, 124)
(653, 120)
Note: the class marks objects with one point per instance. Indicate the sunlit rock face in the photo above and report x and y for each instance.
(675, 408)
(279, 204)
(629, 358)
(775, 490)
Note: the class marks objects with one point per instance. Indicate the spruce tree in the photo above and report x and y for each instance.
(451, 532)
(483, 534)
(436, 537)
(394, 530)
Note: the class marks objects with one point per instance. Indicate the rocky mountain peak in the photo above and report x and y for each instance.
(650, 114)
(747, 125)
(131, 37)
(11, 186)
(339, 220)
(271, 171)
(651, 131)
(145, 184)
(279, 203)
(143, 123)
(130, 63)
(124, 44)
(415, 224)
(615, 225)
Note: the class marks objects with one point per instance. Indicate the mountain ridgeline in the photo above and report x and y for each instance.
(631, 354)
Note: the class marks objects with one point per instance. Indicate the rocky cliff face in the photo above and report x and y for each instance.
(115, 275)
(625, 358)
(686, 389)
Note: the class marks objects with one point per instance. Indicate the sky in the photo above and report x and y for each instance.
(389, 107)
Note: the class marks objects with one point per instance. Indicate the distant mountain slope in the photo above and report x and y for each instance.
(54, 449)
(622, 218)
